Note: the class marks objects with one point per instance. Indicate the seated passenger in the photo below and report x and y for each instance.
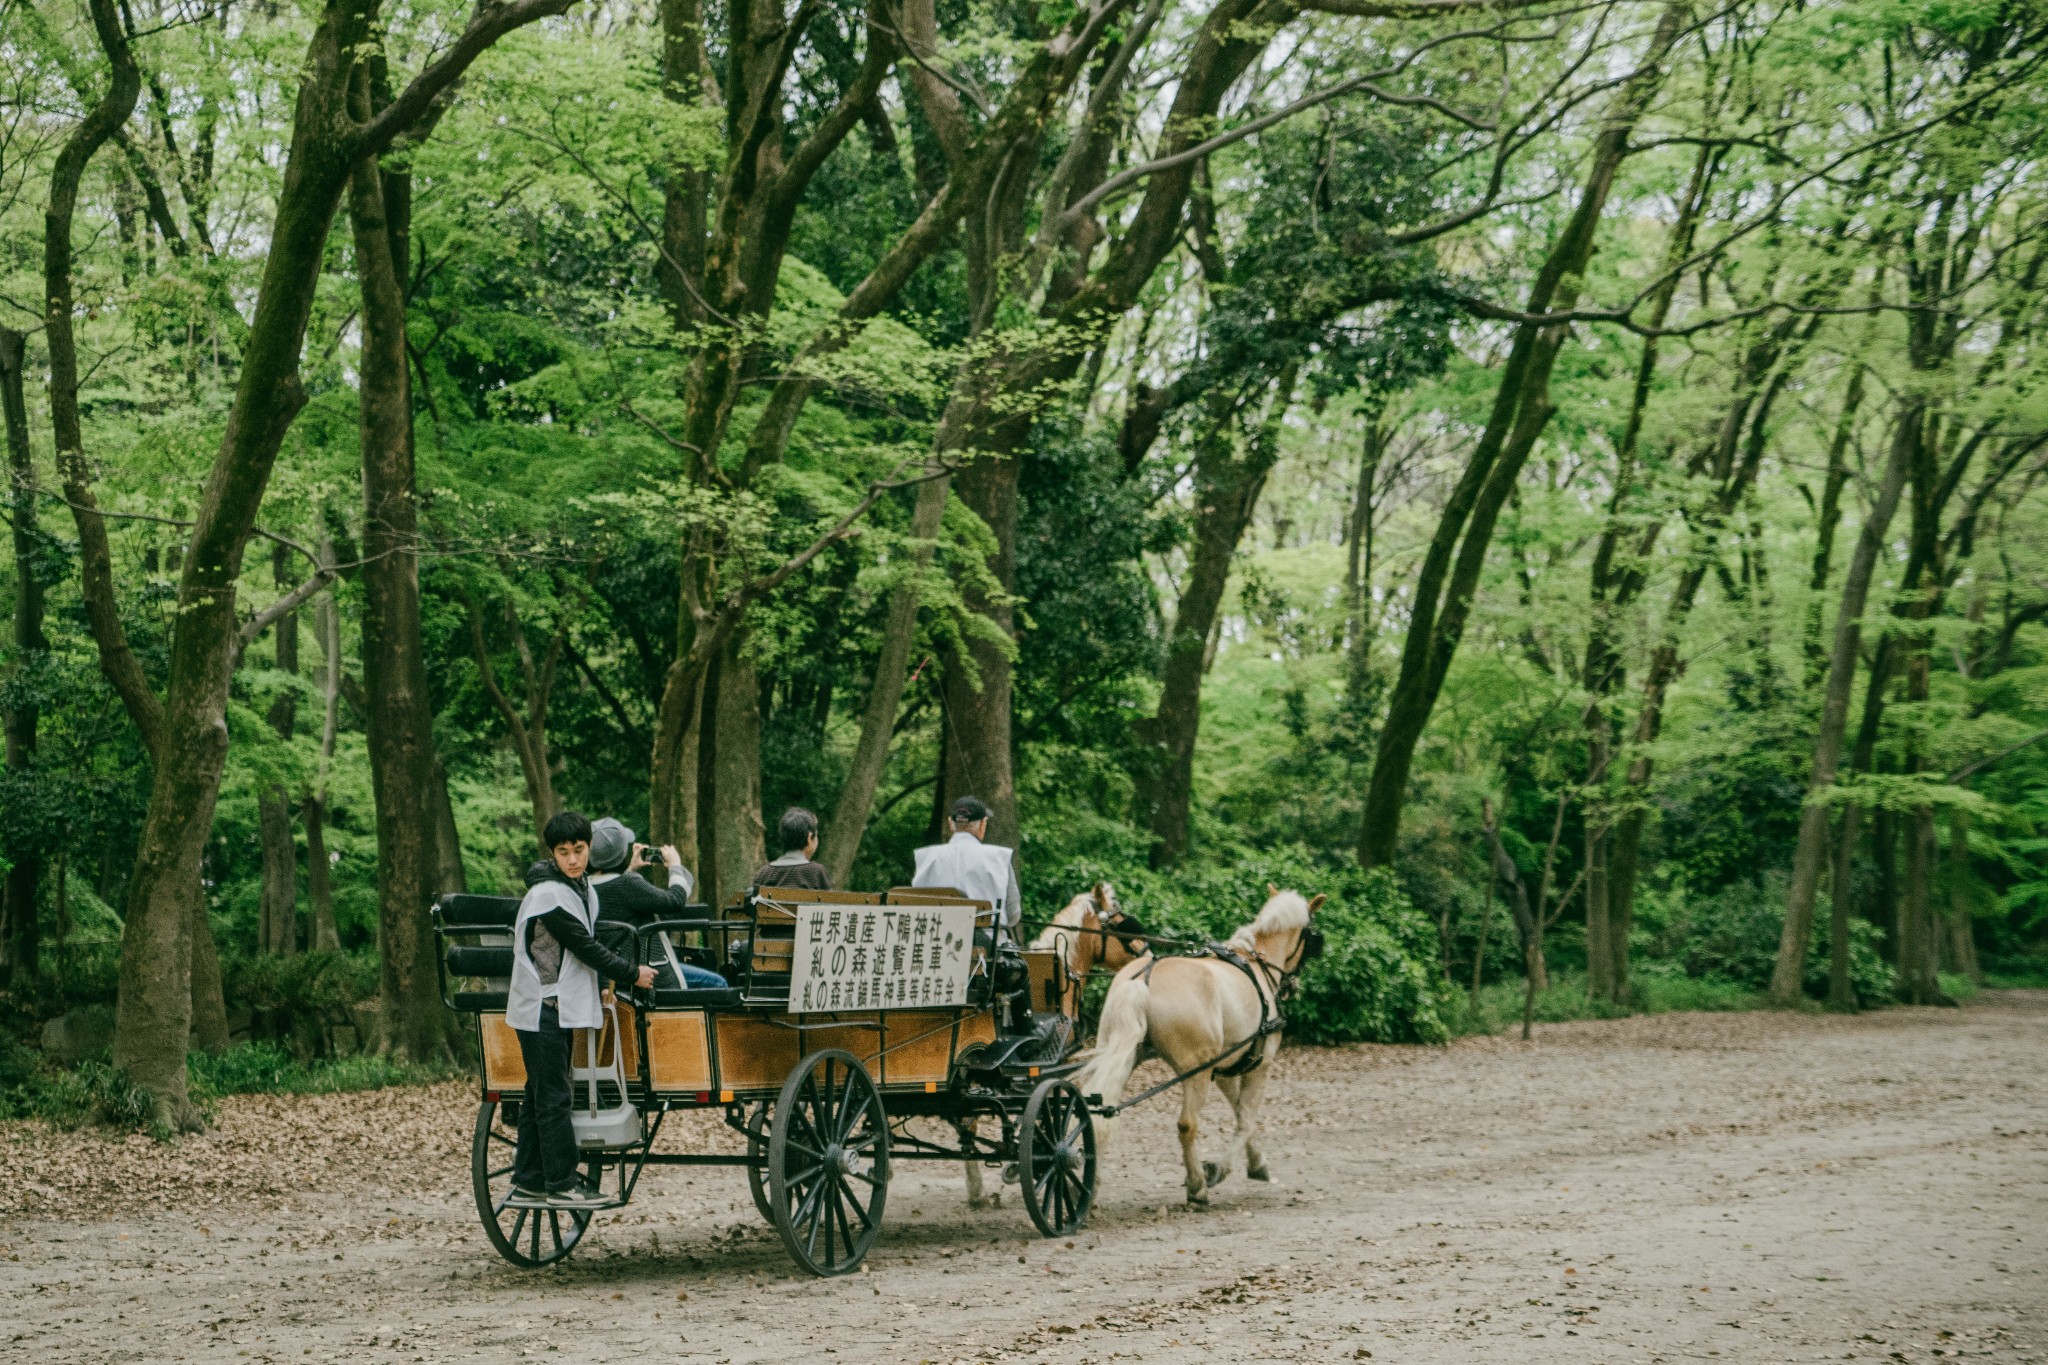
(796, 867)
(624, 895)
(985, 872)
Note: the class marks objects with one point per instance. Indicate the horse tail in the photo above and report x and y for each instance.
(1125, 1021)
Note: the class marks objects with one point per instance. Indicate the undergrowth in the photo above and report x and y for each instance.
(1499, 1007)
(95, 1093)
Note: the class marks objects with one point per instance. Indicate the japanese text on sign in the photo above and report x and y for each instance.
(870, 957)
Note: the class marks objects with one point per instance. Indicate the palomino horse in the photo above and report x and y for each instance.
(1193, 1012)
(1091, 931)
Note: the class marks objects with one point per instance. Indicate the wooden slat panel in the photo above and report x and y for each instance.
(863, 1043)
(929, 1059)
(753, 1054)
(678, 1051)
(504, 1068)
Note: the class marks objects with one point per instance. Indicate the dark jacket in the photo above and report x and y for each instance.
(558, 931)
(805, 876)
(632, 899)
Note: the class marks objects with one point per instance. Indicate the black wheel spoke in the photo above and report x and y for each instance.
(848, 1197)
(555, 1227)
(828, 1117)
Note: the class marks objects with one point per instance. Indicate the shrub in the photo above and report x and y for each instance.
(267, 1068)
(300, 1000)
(1733, 934)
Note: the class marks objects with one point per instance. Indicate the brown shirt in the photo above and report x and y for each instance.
(793, 870)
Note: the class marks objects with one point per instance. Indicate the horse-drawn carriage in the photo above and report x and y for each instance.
(845, 1016)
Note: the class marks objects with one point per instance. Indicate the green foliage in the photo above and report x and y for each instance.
(1499, 1008)
(265, 1068)
(303, 1000)
(92, 1093)
(1732, 934)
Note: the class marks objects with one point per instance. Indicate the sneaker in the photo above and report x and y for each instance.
(523, 1196)
(576, 1197)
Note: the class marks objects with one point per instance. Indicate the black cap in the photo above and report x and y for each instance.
(969, 810)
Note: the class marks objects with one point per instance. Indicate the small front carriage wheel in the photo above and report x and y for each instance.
(523, 1236)
(1056, 1157)
(828, 1163)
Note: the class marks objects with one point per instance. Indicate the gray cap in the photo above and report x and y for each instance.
(611, 845)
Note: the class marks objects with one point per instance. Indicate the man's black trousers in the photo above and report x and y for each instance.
(546, 1156)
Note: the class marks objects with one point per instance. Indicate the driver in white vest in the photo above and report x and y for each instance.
(984, 872)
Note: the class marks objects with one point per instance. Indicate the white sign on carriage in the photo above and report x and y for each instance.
(867, 957)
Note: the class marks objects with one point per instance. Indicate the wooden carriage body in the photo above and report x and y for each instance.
(736, 1046)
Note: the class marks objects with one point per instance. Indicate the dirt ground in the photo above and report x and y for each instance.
(1754, 1188)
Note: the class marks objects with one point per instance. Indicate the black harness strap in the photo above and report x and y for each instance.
(1270, 1019)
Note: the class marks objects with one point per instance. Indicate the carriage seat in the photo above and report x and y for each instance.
(491, 963)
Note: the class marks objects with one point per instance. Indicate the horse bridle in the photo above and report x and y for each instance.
(1285, 980)
(1125, 930)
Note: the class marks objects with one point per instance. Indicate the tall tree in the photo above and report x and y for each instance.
(1522, 408)
(165, 942)
(20, 924)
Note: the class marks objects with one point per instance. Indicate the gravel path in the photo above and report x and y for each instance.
(1754, 1188)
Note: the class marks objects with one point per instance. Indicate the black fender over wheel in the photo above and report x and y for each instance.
(828, 1163)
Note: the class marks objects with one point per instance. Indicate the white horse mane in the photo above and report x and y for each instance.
(1283, 911)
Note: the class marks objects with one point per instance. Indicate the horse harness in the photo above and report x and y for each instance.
(1273, 984)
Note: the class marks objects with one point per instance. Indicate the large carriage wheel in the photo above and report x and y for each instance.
(1056, 1157)
(527, 1237)
(757, 1160)
(828, 1163)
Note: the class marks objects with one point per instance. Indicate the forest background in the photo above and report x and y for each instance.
(1564, 479)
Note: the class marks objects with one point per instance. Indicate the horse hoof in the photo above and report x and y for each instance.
(1259, 1173)
(1213, 1173)
(1198, 1199)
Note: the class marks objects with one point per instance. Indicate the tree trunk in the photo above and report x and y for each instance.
(1811, 852)
(450, 876)
(731, 826)
(326, 935)
(278, 903)
(399, 718)
(1841, 889)
(1227, 484)
(842, 840)
(1961, 922)
(978, 687)
(209, 1024)
(1919, 943)
(20, 929)
(279, 900)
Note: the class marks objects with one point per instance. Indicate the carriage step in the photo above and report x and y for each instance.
(595, 1206)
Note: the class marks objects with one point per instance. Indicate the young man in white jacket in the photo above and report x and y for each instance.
(558, 970)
